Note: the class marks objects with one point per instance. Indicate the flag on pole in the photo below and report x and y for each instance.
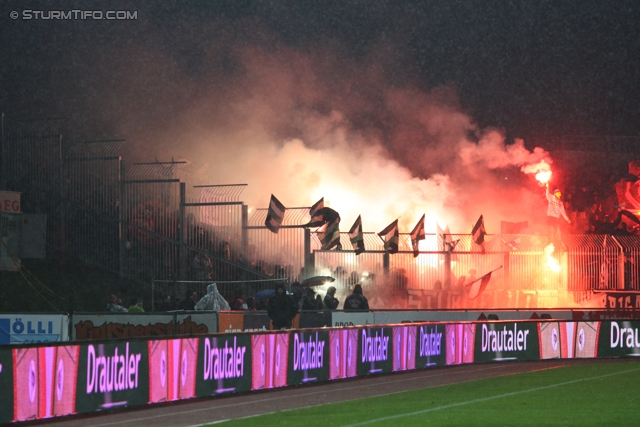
(478, 233)
(316, 206)
(356, 237)
(390, 236)
(417, 234)
(479, 285)
(329, 234)
(275, 215)
(445, 243)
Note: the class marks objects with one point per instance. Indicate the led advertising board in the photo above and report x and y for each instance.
(460, 339)
(551, 340)
(224, 365)
(343, 353)
(497, 342)
(172, 369)
(113, 374)
(269, 360)
(375, 352)
(6, 385)
(404, 348)
(308, 357)
(44, 381)
(617, 338)
(56, 380)
(431, 346)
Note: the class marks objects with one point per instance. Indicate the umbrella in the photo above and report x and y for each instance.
(316, 281)
(264, 295)
(297, 291)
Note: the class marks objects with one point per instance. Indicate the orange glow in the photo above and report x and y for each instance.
(543, 176)
(552, 262)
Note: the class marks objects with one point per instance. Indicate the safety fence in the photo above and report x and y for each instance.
(177, 290)
(144, 223)
(56, 380)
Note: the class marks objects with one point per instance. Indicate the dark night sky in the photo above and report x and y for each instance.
(530, 67)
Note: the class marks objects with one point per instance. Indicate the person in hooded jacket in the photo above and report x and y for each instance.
(281, 308)
(356, 301)
(330, 301)
(311, 300)
(212, 301)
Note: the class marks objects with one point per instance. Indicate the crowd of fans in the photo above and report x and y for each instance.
(304, 298)
(593, 208)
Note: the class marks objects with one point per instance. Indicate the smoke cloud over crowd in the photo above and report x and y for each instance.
(306, 122)
(287, 125)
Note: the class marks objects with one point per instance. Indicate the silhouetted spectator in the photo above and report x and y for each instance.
(356, 301)
(311, 301)
(166, 304)
(330, 301)
(282, 308)
(189, 301)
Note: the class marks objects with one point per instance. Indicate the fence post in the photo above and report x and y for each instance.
(121, 211)
(64, 201)
(506, 267)
(312, 264)
(5, 160)
(385, 264)
(309, 267)
(245, 223)
(447, 269)
(182, 235)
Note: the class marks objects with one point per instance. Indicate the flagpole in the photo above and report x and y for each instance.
(480, 278)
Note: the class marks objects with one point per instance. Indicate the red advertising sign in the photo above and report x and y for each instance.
(9, 201)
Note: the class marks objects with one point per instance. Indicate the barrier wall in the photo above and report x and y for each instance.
(39, 382)
(34, 328)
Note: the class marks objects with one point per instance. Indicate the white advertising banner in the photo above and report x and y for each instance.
(33, 328)
(350, 318)
(93, 326)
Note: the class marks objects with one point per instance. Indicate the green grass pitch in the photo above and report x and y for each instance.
(602, 394)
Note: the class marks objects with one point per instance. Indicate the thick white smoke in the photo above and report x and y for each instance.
(304, 125)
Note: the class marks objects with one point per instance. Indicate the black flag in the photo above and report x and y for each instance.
(416, 235)
(356, 237)
(275, 215)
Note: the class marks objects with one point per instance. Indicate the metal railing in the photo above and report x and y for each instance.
(144, 224)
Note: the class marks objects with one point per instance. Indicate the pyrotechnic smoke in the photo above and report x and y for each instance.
(305, 124)
(284, 127)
